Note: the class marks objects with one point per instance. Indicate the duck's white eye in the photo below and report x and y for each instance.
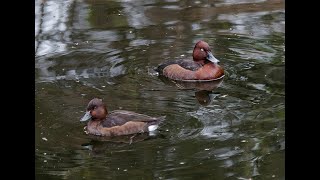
(201, 49)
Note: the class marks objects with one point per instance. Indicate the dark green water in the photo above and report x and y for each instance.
(108, 49)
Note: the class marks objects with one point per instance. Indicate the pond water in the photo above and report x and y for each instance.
(108, 49)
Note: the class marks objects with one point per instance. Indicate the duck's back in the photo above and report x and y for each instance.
(186, 64)
(120, 117)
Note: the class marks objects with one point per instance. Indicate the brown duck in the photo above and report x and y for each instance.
(118, 122)
(204, 66)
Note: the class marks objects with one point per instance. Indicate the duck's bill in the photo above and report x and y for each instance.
(211, 58)
(87, 116)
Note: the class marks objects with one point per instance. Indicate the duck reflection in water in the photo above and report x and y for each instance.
(204, 90)
(101, 144)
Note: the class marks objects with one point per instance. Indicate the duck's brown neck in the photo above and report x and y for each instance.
(94, 122)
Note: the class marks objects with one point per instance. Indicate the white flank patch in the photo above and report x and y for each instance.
(152, 127)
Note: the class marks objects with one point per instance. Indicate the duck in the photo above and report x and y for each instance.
(117, 122)
(204, 66)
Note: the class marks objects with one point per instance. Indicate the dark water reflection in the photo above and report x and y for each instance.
(230, 130)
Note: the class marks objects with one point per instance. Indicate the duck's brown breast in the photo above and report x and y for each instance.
(93, 127)
(209, 71)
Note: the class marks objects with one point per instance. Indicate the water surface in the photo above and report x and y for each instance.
(108, 49)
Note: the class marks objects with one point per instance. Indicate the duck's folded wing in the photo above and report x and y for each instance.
(120, 117)
(187, 64)
(133, 116)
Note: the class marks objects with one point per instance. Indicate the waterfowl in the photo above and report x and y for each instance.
(204, 66)
(118, 122)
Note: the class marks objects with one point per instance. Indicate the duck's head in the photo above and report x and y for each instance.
(202, 53)
(96, 110)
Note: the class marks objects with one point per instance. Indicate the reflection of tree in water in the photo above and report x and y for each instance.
(136, 25)
(54, 25)
(58, 25)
